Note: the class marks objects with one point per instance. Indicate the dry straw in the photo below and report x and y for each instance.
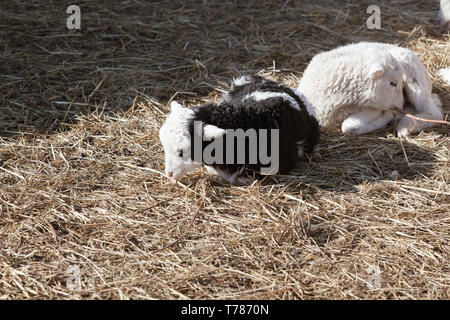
(81, 165)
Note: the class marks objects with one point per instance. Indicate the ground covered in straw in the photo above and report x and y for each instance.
(81, 163)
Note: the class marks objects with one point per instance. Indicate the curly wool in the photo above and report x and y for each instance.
(337, 85)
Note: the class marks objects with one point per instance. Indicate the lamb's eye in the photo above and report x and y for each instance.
(393, 84)
(180, 153)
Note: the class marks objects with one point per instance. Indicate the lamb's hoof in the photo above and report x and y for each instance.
(211, 171)
(351, 131)
(405, 127)
(402, 133)
(243, 181)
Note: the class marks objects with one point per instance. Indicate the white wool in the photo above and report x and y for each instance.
(237, 82)
(264, 95)
(444, 14)
(243, 80)
(305, 101)
(445, 75)
(342, 91)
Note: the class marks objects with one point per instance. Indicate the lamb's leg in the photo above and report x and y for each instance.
(235, 178)
(365, 121)
(212, 171)
(407, 125)
(426, 104)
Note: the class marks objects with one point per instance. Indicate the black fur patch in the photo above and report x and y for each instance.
(274, 113)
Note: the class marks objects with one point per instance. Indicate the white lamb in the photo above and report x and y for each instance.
(360, 87)
(444, 14)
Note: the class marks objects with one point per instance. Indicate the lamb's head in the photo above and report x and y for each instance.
(177, 142)
(387, 77)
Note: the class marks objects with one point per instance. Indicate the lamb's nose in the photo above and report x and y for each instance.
(170, 174)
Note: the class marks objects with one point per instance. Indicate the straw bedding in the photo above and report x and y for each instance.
(81, 165)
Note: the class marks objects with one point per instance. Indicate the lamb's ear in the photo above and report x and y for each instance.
(174, 106)
(212, 132)
(376, 71)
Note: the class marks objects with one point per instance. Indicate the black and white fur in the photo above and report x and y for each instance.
(252, 103)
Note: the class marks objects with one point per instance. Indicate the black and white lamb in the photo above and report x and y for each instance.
(259, 128)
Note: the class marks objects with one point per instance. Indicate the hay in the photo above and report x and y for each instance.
(80, 160)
